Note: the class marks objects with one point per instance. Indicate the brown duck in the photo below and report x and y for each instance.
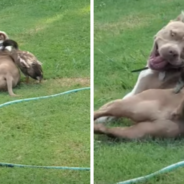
(26, 61)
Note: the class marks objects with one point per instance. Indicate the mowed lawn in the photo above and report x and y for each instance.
(54, 131)
(124, 33)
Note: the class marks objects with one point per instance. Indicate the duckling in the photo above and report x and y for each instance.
(26, 61)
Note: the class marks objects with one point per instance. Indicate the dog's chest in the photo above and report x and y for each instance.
(161, 76)
(168, 79)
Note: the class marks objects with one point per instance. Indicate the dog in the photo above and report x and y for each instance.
(9, 72)
(166, 58)
(154, 112)
(164, 63)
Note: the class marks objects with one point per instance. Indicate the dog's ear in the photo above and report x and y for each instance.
(180, 17)
(3, 35)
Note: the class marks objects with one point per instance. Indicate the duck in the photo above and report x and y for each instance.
(26, 61)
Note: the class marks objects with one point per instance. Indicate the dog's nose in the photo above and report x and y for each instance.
(173, 53)
(169, 51)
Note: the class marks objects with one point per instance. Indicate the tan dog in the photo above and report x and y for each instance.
(165, 59)
(155, 112)
(9, 73)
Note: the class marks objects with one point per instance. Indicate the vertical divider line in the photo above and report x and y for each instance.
(91, 91)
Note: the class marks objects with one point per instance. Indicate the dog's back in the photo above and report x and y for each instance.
(9, 73)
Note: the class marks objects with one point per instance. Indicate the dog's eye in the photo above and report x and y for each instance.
(172, 33)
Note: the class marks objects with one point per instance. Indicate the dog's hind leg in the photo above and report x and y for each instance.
(140, 130)
(114, 108)
(109, 109)
(9, 81)
(136, 131)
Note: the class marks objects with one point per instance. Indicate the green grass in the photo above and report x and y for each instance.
(124, 33)
(57, 32)
(54, 131)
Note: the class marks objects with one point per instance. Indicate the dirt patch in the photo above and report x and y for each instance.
(70, 81)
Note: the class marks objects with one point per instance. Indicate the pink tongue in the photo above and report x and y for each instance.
(157, 63)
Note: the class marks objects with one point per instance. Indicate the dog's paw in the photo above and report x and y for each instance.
(14, 95)
(99, 128)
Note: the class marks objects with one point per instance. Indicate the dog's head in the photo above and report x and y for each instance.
(3, 36)
(168, 48)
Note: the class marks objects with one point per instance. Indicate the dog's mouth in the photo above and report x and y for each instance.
(157, 62)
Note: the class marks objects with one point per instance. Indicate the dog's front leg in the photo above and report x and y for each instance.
(180, 83)
(142, 82)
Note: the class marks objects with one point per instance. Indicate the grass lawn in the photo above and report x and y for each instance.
(124, 33)
(54, 131)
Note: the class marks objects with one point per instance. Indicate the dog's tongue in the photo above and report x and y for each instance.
(157, 63)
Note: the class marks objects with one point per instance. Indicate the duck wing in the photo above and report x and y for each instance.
(28, 59)
(28, 63)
